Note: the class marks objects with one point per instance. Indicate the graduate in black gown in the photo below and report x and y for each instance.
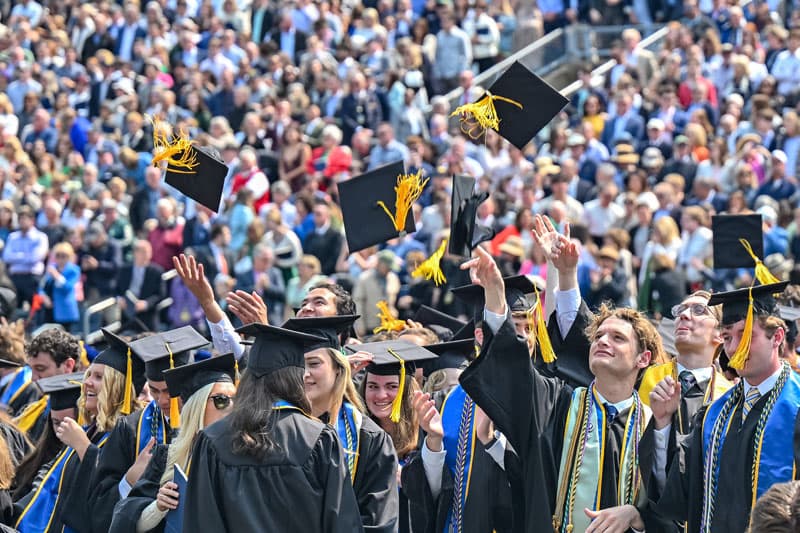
(270, 466)
(368, 450)
(592, 480)
(60, 495)
(747, 440)
(206, 390)
(18, 390)
(128, 450)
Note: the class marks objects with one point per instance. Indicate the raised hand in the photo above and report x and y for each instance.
(248, 307)
(429, 420)
(483, 271)
(193, 276)
(665, 399)
(137, 468)
(359, 361)
(72, 434)
(557, 248)
(484, 427)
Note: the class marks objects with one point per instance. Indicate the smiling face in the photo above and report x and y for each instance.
(318, 303)
(92, 385)
(615, 351)
(379, 394)
(319, 379)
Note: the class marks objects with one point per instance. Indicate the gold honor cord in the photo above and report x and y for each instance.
(408, 189)
(431, 268)
(477, 117)
(175, 150)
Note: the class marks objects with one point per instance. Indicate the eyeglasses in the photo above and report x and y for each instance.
(695, 310)
(221, 401)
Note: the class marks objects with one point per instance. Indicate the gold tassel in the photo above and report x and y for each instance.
(174, 410)
(477, 117)
(739, 357)
(126, 399)
(545, 346)
(388, 321)
(431, 267)
(81, 419)
(409, 187)
(763, 275)
(174, 149)
(397, 403)
(83, 359)
(235, 373)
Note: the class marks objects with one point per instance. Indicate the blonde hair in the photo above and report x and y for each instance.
(109, 399)
(667, 229)
(192, 416)
(65, 248)
(343, 387)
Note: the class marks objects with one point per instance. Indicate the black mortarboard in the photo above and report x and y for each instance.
(388, 356)
(433, 319)
(465, 233)
(329, 328)
(366, 223)
(204, 183)
(790, 315)
(118, 356)
(166, 350)
(185, 380)
(5, 363)
(275, 348)
(451, 354)
(735, 303)
(728, 250)
(516, 289)
(64, 390)
(539, 101)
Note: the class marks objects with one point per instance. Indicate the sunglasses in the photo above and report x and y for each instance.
(221, 401)
(694, 309)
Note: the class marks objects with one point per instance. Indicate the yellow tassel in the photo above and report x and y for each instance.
(397, 403)
(739, 357)
(545, 346)
(81, 419)
(409, 187)
(388, 321)
(235, 373)
(477, 117)
(431, 267)
(174, 409)
(763, 275)
(126, 399)
(83, 359)
(175, 150)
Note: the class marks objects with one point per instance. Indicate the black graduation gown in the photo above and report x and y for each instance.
(143, 493)
(29, 394)
(574, 346)
(118, 456)
(530, 410)
(375, 484)
(71, 508)
(301, 485)
(683, 494)
(488, 506)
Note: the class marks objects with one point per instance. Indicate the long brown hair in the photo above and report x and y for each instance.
(405, 433)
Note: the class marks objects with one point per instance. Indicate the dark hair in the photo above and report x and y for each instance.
(252, 417)
(46, 449)
(344, 301)
(58, 343)
(773, 512)
(216, 231)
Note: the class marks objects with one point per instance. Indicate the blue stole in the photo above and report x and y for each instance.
(150, 418)
(22, 378)
(458, 420)
(347, 427)
(38, 515)
(773, 457)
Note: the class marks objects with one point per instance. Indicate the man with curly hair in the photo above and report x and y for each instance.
(50, 353)
(576, 450)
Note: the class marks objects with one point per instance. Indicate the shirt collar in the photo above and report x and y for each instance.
(765, 385)
(700, 374)
(619, 406)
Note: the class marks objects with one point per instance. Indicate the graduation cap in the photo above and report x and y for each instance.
(394, 358)
(465, 233)
(790, 315)
(516, 287)
(64, 389)
(118, 356)
(517, 105)
(329, 328)
(275, 348)
(436, 320)
(452, 354)
(204, 184)
(184, 381)
(376, 206)
(739, 243)
(746, 304)
(5, 363)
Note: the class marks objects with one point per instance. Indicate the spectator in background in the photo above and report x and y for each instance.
(251, 177)
(165, 233)
(376, 284)
(484, 34)
(24, 254)
(60, 286)
(100, 260)
(145, 199)
(140, 288)
(324, 242)
(696, 239)
(264, 278)
(776, 238)
(216, 257)
(388, 150)
(284, 242)
(453, 54)
(330, 159)
(778, 186)
(40, 129)
(308, 276)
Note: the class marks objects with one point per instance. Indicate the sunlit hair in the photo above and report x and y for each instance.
(6, 466)
(647, 338)
(343, 387)
(404, 433)
(716, 310)
(192, 416)
(109, 400)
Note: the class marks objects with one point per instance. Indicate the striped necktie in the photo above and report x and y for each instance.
(749, 401)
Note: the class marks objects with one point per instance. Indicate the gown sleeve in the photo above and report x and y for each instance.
(114, 463)
(339, 507)
(572, 349)
(428, 514)
(201, 505)
(128, 510)
(75, 511)
(376, 484)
